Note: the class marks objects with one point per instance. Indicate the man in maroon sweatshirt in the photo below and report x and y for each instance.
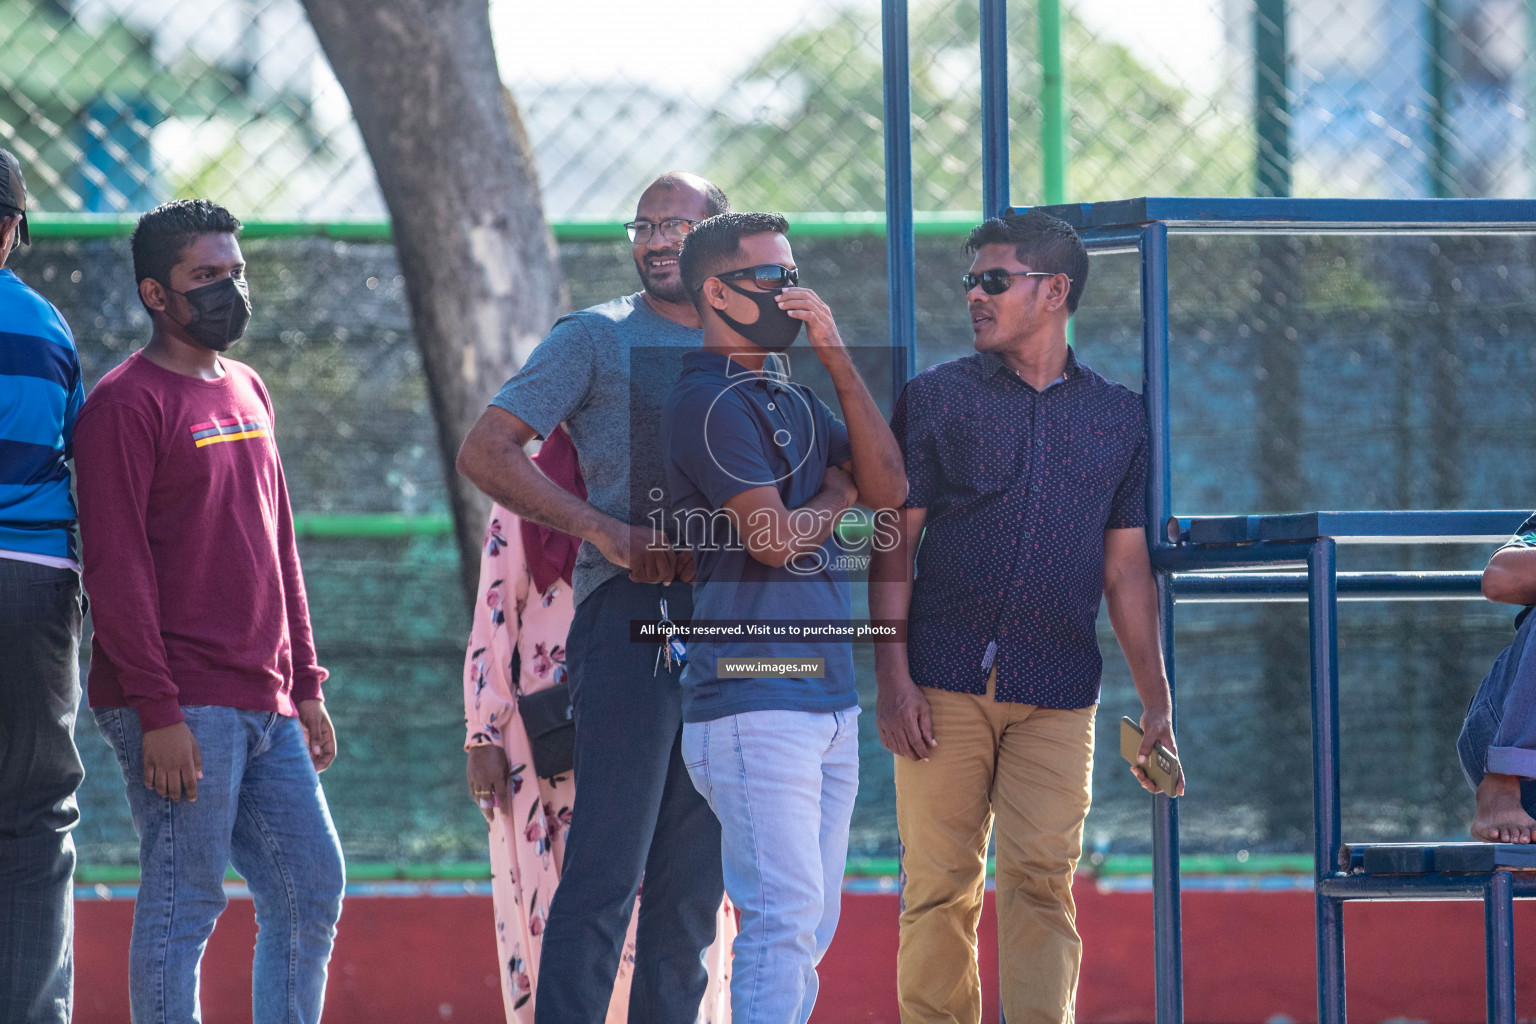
(203, 674)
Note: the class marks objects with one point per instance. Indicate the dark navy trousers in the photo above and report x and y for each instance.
(636, 812)
(40, 769)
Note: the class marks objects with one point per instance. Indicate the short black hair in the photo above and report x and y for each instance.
(715, 200)
(164, 233)
(715, 244)
(1041, 242)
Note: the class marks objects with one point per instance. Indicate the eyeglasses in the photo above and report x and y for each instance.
(765, 275)
(672, 229)
(996, 280)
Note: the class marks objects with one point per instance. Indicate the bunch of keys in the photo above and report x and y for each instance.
(672, 649)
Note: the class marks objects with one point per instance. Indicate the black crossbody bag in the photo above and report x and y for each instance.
(551, 729)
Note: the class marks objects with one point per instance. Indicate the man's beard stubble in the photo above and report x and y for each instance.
(674, 293)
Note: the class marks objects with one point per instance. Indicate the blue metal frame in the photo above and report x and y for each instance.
(994, 107)
(1188, 553)
(900, 234)
(1327, 833)
(1256, 214)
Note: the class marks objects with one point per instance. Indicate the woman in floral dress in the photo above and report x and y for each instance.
(521, 618)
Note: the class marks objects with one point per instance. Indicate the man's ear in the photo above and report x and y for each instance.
(1056, 294)
(152, 294)
(714, 293)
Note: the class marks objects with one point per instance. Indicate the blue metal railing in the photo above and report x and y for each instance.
(1199, 559)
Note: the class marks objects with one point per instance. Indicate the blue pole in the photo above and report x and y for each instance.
(1154, 380)
(1499, 931)
(1167, 921)
(1166, 918)
(1272, 98)
(900, 244)
(1323, 620)
(994, 107)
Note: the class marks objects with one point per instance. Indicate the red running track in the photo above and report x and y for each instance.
(1248, 959)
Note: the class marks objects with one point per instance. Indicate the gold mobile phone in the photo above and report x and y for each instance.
(1162, 766)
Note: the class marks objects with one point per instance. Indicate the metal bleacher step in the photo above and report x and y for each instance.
(1435, 858)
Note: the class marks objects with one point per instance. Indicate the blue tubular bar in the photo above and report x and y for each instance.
(1154, 379)
(1408, 527)
(1499, 939)
(1194, 213)
(1238, 556)
(1167, 919)
(1110, 239)
(994, 107)
(1269, 587)
(1405, 527)
(900, 244)
(1323, 627)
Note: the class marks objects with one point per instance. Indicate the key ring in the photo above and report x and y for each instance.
(672, 649)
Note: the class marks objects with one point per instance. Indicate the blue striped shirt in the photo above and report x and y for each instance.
(40, 395)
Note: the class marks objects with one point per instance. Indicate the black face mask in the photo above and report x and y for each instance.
(774, 330)
(220, 312)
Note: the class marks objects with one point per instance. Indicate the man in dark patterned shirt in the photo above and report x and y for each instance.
(1028, 471)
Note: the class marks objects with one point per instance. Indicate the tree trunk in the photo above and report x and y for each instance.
(452, 158)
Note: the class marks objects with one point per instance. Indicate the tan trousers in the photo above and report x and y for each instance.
(1030, 768)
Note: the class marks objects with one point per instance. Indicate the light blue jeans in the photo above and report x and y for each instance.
(259, 807)
(782, 784)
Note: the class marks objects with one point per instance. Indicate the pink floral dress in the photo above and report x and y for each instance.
(528, 844)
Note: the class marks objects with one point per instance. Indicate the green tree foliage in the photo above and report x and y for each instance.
(818, 124)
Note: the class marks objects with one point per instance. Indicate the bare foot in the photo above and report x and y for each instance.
(1500, 817)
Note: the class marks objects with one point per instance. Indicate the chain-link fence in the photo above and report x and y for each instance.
(1400, 376)
(1405, 380)
(114, 105)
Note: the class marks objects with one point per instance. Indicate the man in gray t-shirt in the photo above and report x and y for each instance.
(604, 372)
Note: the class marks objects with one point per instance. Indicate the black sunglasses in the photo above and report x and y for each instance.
(765, 275)
(996, 280)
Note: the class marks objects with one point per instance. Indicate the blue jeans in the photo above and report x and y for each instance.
(259, 807)
(782, 784)
(1499, 734)
(39, 772)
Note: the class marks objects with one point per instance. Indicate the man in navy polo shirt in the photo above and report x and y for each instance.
(1028, 471)
(759, 471)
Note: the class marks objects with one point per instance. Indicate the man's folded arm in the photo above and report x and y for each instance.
(774, 534)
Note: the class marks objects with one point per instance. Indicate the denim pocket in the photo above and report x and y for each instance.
(109, 722)
(695, 751)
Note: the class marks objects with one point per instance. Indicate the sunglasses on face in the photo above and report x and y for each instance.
(673, 229)
(996, 280)
(765, 275)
